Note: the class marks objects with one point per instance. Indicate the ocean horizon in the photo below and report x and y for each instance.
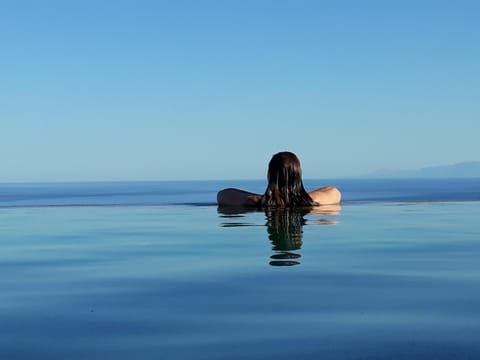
(204, 191)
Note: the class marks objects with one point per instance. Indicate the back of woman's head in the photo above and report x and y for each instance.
(285, 187)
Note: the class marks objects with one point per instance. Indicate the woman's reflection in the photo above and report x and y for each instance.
(284, 228)
(285, 231)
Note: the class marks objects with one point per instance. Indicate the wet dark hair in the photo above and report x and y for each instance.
(285, 185)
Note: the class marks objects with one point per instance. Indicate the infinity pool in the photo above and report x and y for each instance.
(381, 280)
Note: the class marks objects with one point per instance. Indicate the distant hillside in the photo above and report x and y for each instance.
(460, 170)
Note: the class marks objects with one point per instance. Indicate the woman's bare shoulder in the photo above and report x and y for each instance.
(327, 195)
(237, 197)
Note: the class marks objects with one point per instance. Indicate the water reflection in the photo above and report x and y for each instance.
(284, 228)
(285, 231)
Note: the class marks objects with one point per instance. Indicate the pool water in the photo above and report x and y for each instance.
(368, 280)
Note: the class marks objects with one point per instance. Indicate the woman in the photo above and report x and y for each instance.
(285, 188)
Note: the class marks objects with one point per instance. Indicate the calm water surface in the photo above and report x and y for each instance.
(392, 274)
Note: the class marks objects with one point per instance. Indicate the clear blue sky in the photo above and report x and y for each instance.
(158, 90)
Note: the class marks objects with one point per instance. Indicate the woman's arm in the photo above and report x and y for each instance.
(327, 195)
(237, 197)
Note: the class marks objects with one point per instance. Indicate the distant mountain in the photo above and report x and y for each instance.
(460, 170)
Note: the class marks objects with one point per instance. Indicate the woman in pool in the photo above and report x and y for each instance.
(285, 188)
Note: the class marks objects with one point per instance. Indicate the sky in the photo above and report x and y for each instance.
(191, 90)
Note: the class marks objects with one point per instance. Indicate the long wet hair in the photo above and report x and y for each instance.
(285, 186)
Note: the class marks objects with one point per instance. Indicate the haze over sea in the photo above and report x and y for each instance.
(154, 270)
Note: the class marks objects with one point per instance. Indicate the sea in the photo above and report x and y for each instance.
(155, 270)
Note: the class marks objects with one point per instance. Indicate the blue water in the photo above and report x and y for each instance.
(153, 270)
(204, 192)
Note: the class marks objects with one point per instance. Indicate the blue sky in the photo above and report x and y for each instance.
(180, 90)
